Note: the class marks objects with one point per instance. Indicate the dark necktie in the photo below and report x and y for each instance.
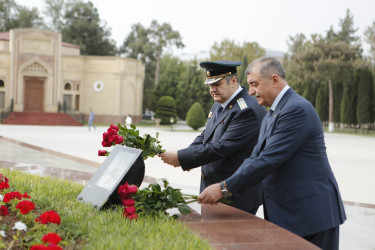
(218, 111)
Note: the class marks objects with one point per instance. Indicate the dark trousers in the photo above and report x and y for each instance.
(327, 240)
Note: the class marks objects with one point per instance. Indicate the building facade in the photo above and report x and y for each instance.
(40, 73)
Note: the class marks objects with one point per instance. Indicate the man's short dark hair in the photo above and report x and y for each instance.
(228, 78)
(268, 66)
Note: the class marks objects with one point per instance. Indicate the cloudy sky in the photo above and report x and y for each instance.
(203, 22)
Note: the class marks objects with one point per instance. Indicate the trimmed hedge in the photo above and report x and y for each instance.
(165, 109)
(195, 117)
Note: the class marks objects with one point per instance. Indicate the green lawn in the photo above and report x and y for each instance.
(84, 227)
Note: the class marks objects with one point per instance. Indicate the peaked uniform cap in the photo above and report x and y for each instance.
(217, 70)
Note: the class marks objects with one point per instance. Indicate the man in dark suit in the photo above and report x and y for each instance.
(300, 192)
(229, 137)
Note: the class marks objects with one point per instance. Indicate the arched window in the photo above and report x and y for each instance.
(67, 86)
(1, 83)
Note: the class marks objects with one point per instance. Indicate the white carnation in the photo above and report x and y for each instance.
(20, 226)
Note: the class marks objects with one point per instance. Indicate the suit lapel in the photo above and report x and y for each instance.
(213, 122)
(263, 133)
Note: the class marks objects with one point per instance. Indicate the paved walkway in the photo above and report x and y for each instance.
(352, 159)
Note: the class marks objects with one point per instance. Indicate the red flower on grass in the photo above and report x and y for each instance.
(43, 247)
(4, 211)
(25, 206)
(49, 217)
(52, 238)
(14, 195)
(4, 185)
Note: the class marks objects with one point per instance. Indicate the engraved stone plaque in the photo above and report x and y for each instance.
(123, 164)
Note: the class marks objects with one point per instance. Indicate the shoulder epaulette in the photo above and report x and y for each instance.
(241, 102)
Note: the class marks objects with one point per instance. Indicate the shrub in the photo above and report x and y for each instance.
(165, 109)
(195, 117)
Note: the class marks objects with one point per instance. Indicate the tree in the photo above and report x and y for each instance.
(328, 60)
(229, 50)
(83, 27)
(163, 36)
(321, 104)
(138, 45)
(370, 39)
(170, 71)
(347, 31)
(195, 117)
(14, 16)
(349, 103)
(191, 88)
(165, 109)
(148, 45)
(365, 104)
(242, 75)
(54, 12)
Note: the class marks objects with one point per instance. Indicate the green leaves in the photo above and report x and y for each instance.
(148, 144)
(155, 200)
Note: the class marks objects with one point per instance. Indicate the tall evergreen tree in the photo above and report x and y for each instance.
(349, 103)
(321, 104)
(170, 71)
(365, 103)
(242, 75)
(191, 88)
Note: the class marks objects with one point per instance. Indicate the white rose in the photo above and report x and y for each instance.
(2, 233)
(20, 226)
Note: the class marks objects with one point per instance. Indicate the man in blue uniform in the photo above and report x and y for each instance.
(300, 192)
(229, 137)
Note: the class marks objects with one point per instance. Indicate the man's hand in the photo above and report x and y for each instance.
(211, 195)
(170, 158)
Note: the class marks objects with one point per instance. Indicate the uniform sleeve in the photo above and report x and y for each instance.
(243, 129)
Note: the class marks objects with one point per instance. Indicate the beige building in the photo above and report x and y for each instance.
(40, 73)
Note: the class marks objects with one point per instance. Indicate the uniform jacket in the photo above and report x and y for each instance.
(224, 144)
(300, 191)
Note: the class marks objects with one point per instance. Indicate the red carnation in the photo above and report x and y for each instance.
(102, 152)
(49, 217)
(52, 238)
(4, 185)
(38, 247)
(114, 127)
(4, 211)
(12, 195)
(25, 206)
